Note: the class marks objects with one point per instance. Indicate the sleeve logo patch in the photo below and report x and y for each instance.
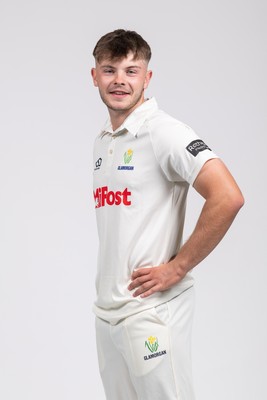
(196, 147)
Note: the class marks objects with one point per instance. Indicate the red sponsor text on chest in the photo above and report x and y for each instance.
(103, 196)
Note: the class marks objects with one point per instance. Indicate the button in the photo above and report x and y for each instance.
(110, 151)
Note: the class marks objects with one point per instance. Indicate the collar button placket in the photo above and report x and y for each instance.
(111, 151)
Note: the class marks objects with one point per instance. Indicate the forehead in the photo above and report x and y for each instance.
(129, 60)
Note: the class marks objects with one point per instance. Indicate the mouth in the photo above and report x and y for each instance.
(119, 93)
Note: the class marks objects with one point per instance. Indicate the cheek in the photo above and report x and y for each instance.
(102, 83)
(139, 84)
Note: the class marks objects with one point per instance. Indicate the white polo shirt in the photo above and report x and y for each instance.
(142, 173)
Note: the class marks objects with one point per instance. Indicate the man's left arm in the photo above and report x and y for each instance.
(223, 200)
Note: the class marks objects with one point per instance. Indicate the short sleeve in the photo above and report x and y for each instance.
(179, 151)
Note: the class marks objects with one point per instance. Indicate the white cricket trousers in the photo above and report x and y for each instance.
(148, 355)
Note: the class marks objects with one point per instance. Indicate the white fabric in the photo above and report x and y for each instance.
(142, 173)
(148, 355)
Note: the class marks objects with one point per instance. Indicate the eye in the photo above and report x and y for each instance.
(108, 71)
(131, 72)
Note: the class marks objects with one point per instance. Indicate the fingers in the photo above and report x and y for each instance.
(143, 288)
(139, 277)
(144, 280)
(146, 290)
(147, 281)
(141, 272)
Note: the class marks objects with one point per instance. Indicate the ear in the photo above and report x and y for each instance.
(93, 74)
(147, 78)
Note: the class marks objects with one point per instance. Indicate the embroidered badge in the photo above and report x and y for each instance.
(127, 157)
(152, 344)
(196, 147)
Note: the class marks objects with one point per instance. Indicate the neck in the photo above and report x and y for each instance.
(117, 117)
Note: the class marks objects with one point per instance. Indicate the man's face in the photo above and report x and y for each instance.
(121, 83)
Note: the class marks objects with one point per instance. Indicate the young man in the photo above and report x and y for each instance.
(145, 161)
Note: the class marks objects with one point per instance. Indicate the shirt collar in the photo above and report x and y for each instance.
(134, 121)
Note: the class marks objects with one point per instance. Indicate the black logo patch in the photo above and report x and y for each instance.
(196, 146)
(98, 164)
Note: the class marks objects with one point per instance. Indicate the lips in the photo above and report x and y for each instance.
(119, 92)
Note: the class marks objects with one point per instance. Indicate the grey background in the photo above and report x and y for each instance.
(209, 63)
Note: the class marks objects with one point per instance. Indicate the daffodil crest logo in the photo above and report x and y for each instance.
(152, 344)
(128, 156)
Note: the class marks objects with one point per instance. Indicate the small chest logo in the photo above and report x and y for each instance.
(128, 155)
(127, 158)
(98, 164)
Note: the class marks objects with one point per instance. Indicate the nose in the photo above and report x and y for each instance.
(119, 78)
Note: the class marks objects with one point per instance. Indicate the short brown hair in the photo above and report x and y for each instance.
(117, 45)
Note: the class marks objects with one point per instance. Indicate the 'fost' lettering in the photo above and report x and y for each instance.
(104, 197)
